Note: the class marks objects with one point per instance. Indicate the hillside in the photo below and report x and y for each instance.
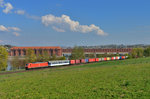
(113, 79)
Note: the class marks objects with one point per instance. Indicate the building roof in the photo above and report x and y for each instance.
(37, 47)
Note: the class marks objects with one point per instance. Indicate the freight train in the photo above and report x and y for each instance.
(71, 62)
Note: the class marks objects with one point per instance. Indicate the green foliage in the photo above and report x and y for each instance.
(137, 52)
(147, 52)
(53, 57)
(17, 63)
(91, 56)
(77, 53)
(39, 58)
(46, 56)
(3, 58)
(61, 58)
(30, 56)
(104, 80)
(43, 57)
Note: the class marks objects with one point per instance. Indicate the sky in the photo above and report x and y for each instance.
(74, 22)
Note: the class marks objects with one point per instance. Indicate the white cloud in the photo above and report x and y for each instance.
(32, 17)
(64, 23)
(8, 29)
(1, 41)
(8, 8)
(3, 28)
(13, 30)
(20, 12)
(57, 29)
(16, 34)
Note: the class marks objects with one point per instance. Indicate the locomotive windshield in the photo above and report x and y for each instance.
(26, 65)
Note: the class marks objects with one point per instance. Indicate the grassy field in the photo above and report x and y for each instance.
(113, 79)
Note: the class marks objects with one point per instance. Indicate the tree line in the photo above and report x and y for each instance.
(140, 52)
(78, 53)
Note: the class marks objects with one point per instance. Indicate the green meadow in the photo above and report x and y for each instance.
(104, 80)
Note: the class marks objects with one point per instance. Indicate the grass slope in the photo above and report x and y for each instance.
(113, 79)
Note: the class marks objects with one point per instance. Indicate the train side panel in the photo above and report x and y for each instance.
(83, 61)
(86, 60)
(72, 62)
(77, 61)
(36, 65)
(97, 59)
(59, 63)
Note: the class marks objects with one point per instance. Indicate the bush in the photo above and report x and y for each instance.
(3, 58)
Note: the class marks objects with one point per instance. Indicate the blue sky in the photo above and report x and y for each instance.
(74, 22)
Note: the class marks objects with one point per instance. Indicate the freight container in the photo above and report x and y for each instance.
(112, 58)
(77, 61)
(86, 60)
(72, 61)
(108, 58)
(105, 59)
(122, 57)
(97, 59)
(100, 59)
(82, 60)
(90, 60)
(94, 59)
(117, 57)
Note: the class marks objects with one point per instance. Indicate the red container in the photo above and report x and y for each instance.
(90, 60)
(94, 59)
(72, 61)
(77, 61)
(105, 59)
(97, 59)
(117, 57)
(82, 60)
(112, 58)
(123, 57)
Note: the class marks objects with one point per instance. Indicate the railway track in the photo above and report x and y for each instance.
(38, 69)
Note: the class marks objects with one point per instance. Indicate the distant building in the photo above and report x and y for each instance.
(58, 51)
(21, 51)
(67, 52)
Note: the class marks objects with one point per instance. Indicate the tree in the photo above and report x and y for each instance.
(61, 58)
(91, 55)
(77, 53)
(53, 57)
(45, 56)
(15, 62)
(147, 52)
(140, 52)
(30, 56)
(137, 52)
(3, 58)
(39, 58)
